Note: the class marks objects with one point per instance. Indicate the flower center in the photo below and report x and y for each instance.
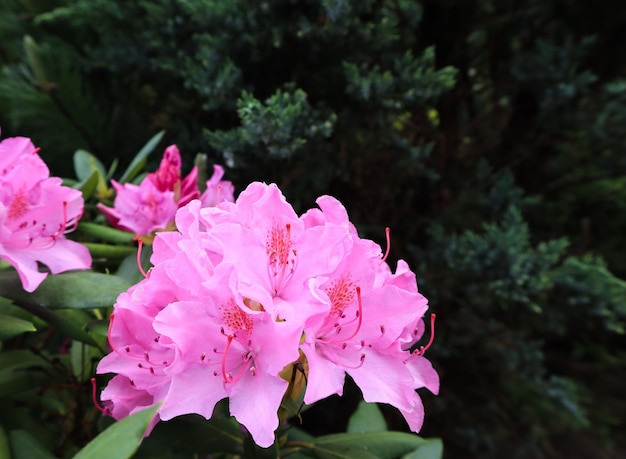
(339, 328)
(341, 293)
(19, 206)
(237, 356)
(235, 318)
(281, 257)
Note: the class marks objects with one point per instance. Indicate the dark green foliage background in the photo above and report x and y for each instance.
(490, 135)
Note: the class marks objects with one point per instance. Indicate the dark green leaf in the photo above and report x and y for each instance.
(128, 268)
(25, 446)
(120, 440)
(105, 233)
(20, 371)
(112, 169)
(431, 449)
(108, 252)
(383, 445)
(72, 290)
(139, 161)
(98, 327)
(5, 452)
(12, 326)
(65, 321)
(367, 418)
(192, 434)
(82, 358)
(253, 451)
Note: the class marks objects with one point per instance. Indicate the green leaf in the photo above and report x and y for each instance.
(192, 434)
(431, 449)
(5, 452)
(108, 252)
(112, 169)
(88, 185)
(72, 290)
(128, 268)
(253, 451)
(383, 445)
(105, 233)
(12, 326)
(367, 418)
(139, 161)
(21, 370)
(85, 164)
(82, 358)
(98, 327)
(25, 446)
(121, 439)
(68, 322)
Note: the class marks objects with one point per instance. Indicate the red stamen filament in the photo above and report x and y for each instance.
(144, 358)
(94, 398)
(63, 223)
(139, 248)
(115, 349)
(219, 192)
(359, 365)
(359, 314)
(388, 238)
(423, 349)
(242, 370)
(227, 376)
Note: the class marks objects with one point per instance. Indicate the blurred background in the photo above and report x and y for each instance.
(489, 135)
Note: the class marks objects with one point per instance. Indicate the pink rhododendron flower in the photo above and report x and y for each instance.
(217, 190)
(151, 205)
(245, 292)
(36, 211)
(373, 314)
(168, 177)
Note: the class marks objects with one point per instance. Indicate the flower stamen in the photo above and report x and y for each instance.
(423, 349)
(94, 398)
(388, 238)
(139, 248)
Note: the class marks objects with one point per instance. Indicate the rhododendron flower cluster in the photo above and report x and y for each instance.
(245, 293)
(151, 205)
(36, 212)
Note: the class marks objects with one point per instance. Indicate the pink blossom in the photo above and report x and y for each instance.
(141, 209)
(151, 206)
(246, 290)
(168, 177)
(36, 212)
(217, 190)
(186, 337)
(374, 316)
(277, 257)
